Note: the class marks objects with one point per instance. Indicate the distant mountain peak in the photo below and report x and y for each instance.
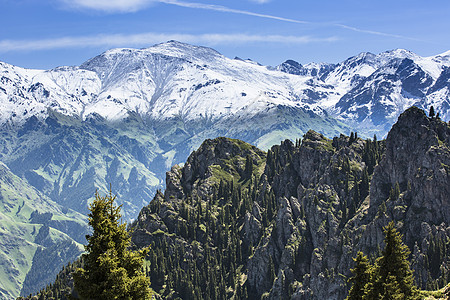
(175, 79)
(399, 52)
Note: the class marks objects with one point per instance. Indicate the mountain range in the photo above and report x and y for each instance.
(126, 116)
(235, 222)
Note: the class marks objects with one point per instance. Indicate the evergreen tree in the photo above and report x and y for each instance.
(248, 171)
(392, 276)
(361, 277)
(352, 137)
(364, 188)
(271, 271)
(111, 270)
(432, 111)
(395, 192)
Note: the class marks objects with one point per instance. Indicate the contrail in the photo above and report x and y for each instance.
(135, 5)
(229, 10)
(375, 32)
(248, 13)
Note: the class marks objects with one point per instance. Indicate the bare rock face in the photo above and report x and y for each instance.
(305, 210)
(417, 160)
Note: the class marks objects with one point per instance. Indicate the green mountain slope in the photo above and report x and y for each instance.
(38, 236)
(235, 222)
(67, 159)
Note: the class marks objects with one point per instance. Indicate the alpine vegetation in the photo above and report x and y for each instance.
(235, 222)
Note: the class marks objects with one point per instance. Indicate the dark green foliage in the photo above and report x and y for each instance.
(364, 186)
(394, 192)
(392, 277)
(438, 251)
(248, 171)
(215, 270)
(352, 137)
(111, 270)
(432, 111)
(372, 154)
(361, 277)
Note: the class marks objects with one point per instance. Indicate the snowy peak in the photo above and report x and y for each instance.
(370, 91)
(364, 58)
(175, 80)
(186, 51)
(292, 67)
(136, 58)
(429, 64)
(398, 53)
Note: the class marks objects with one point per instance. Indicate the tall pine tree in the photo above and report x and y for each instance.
(111, 270)
(392, 275)
(360, 278)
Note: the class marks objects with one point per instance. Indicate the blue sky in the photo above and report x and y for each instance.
(46, 34)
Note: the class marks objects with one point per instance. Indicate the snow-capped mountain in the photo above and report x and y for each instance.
(71, 129)
(156, 105)
(372, 90)
(161, 82)
(126, 116)
(192, 83)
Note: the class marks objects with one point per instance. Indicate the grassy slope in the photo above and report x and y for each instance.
(17, 234)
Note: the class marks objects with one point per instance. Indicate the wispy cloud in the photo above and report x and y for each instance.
(375, 32)
(150, 38)
(229, 10)
(109, 6)
(134, 5)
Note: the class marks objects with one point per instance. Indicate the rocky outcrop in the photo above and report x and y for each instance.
(306, 209)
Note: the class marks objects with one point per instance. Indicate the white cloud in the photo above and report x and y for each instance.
(261, 1)
(134, 5)
(109, 5)
(150, 38)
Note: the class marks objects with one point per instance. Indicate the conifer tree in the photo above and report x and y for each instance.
(271, 271)
(248, 171)
(392, 276)
(111, 270)
(352, 137)
(361, 277)
(432, 112)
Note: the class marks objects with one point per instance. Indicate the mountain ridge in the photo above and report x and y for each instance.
(38, 236)
(333, 198)
(235, 222)
(152, 82)
(126, 116)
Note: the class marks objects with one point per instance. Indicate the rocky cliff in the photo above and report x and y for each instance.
(237, 222)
